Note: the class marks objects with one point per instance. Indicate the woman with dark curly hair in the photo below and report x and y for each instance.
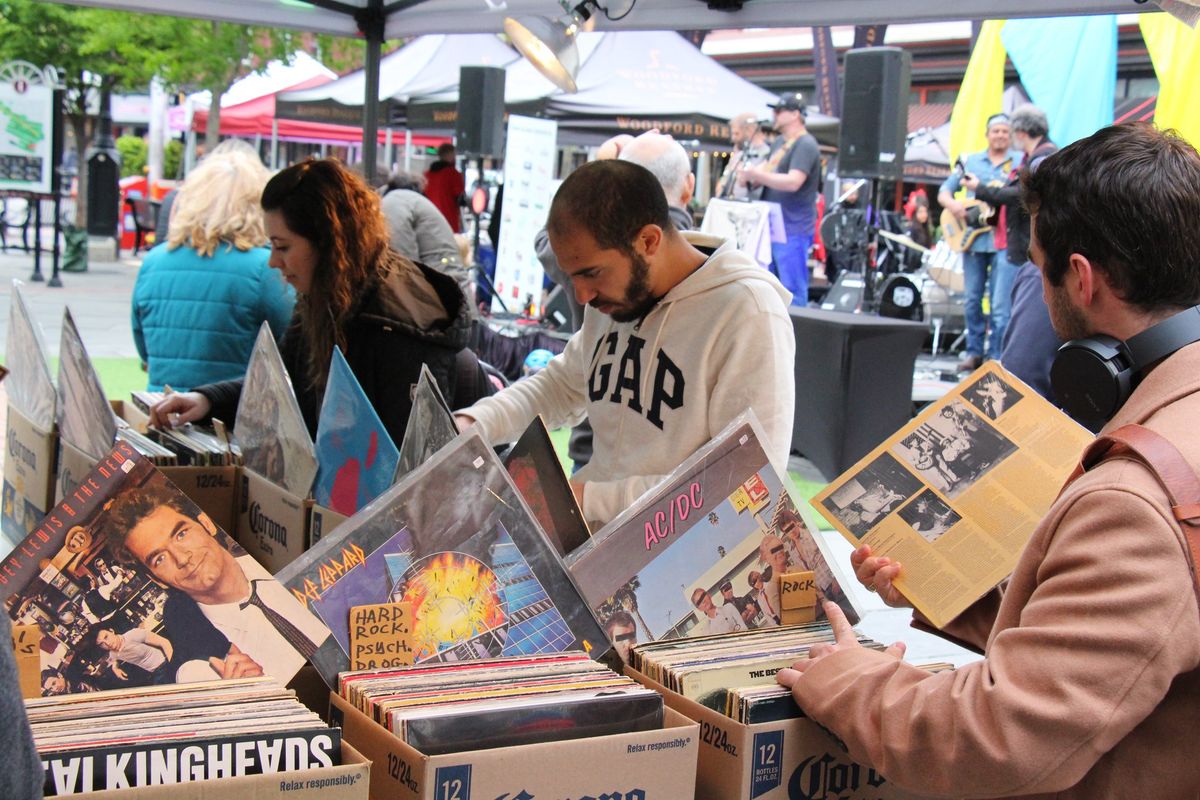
(388, 314)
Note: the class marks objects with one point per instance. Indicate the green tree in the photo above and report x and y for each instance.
(94, 51)
(173, 160)
(133, 150)
(99, 51)
(212, 55)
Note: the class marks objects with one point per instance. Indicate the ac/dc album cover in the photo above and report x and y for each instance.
(456, 539)
(430, 425)
(356, 458)
(534, 467)
(85, 419)
(30, 388)
(270, 426)
(131, 584)
(702, 553)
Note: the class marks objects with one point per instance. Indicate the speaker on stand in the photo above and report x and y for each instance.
(479, 132)
(873, 130)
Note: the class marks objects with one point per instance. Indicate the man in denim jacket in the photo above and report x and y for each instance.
(984, 259)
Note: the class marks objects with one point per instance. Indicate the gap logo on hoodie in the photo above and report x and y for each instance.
(617, 377)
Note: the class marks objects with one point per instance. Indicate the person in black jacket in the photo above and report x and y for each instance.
(388, 314)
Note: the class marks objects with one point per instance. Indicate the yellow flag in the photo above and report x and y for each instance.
(1175, 50)
(982, 92)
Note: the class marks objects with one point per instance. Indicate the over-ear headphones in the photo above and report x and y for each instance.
(1093, 377)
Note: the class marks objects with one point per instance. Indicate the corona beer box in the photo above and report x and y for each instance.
(29, 474)
(349, 781)
(650, 765)
(791, 759)
(322, 522)
(272, 522)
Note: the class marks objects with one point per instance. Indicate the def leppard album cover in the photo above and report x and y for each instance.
(456, 539)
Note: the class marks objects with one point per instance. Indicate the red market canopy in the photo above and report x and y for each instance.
(257, 118)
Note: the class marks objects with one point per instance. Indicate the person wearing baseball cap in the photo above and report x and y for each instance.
(984, 263)
(789, 177)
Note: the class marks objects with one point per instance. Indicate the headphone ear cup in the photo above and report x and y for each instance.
(1092, 378)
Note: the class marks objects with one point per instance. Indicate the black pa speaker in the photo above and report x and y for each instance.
(874, 113)
(857, 372)
(479, 130)
(846, 294)
(557, 310)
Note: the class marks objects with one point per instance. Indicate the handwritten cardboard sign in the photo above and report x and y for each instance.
(29, 667)
(381, 636)
(798, 597)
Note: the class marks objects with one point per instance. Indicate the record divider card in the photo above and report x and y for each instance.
(381, 636)
(25, 640)
(798, 597)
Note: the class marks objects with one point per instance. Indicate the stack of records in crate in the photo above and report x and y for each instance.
(176, 734)
(191, 445)
(706, 668)
(475, 705)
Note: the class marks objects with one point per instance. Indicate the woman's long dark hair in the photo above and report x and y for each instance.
(334, 209)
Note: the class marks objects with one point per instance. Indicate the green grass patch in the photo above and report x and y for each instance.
(118, 376)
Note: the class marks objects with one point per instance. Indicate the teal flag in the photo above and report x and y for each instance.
(1068, 66)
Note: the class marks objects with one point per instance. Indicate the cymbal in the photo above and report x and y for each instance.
(904, 240)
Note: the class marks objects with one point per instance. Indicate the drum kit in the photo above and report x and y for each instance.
(932, 289)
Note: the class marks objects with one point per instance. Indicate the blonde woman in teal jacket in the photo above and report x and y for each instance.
(201, 296)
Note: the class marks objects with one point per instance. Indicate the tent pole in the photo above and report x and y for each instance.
(274, 144)
(387, 150)
(407, 150)
(370, 22)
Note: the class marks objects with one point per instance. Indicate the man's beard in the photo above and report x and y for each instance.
(1068, 322)
(638, 298)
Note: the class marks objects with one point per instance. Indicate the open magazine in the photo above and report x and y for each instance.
(702, 552)
(455, 539)
(131, 584)
(955, 494)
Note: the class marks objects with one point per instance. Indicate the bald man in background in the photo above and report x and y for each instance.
(749, 148)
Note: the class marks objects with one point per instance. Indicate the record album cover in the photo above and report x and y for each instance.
(269, 426)
(430, 425)
(701, 553)
(456, 539)
(534, 467)
(30, 388)
(356, 458)
(85, 419)
(131, 584)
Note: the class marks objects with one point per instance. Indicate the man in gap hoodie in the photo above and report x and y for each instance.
(682, 332)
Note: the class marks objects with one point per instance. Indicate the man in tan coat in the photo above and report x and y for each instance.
(1090, 685)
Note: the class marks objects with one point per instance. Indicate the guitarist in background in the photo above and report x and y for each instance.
(1030, 343)
(985, 260)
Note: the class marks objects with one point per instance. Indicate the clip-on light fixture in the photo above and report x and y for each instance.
(550, 45)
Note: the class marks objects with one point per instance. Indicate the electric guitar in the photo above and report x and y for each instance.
(961, 234)
(978, 219)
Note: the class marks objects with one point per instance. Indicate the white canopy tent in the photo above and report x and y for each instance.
(413, 17)
(629, 81)
(426, 65)
(377, 20)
